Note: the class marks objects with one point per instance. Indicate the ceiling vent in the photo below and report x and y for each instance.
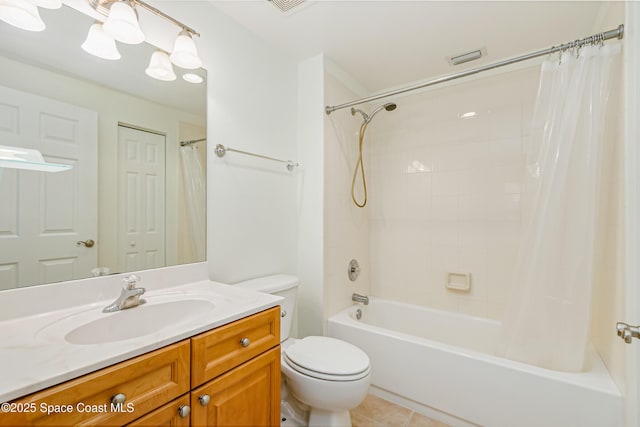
(286, 6)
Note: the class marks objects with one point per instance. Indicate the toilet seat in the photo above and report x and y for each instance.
(327, 358)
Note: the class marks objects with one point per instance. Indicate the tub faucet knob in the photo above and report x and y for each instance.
(354, 270)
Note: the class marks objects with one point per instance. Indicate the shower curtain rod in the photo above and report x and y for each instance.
(599, 37)
(191, 141)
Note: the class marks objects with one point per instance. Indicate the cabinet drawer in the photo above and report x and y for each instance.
(217, 351)
(168, 415)
(147, 381)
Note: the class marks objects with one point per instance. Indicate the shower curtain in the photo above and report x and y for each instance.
(194, 192)
(546, 321)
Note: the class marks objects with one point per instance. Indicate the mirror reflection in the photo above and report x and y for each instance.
(135, 197)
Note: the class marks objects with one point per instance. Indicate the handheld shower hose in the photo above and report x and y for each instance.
(360, 166)
(359, 163)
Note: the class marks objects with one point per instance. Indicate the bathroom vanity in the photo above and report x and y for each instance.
(227, 376)
(219, 366)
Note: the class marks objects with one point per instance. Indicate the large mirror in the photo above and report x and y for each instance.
(134, 198)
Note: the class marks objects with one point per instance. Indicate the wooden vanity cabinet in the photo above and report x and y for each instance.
(237, 366)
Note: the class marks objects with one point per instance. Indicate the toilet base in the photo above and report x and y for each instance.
(322, 418)
(292, 414)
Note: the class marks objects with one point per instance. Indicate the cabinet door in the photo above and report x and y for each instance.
(248, 395)
(173, 414)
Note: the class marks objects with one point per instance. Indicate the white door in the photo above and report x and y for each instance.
(141, 201)
(43, 215)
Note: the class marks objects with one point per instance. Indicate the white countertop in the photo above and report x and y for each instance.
(35, 355)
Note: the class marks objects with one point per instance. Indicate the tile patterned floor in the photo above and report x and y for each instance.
(377, 412)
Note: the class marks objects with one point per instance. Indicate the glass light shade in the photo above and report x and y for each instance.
(27, 158)
(49, 4)
(184, 53)
(22, 14)
(100, 44)
(192, 78)
(160, 67)
(122, 24)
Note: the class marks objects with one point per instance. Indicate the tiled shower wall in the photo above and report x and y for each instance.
(445, 192)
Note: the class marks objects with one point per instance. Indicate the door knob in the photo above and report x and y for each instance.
(87, 243)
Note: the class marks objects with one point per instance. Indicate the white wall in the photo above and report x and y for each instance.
(251, 91)
(346, 225)
(113, 107)
(608, 288)
(311, 197)
(632, 206)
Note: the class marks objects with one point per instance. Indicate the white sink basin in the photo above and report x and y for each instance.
(162, 314)
(138, 321)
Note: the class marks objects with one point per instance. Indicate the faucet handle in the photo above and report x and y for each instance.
(130, 281)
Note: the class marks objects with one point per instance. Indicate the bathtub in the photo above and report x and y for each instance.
(442, 363)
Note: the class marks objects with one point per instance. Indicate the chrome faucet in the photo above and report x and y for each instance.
(360, 298)
(129, 297)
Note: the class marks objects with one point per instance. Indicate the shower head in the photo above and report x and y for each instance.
(387, 107)
(368, 117)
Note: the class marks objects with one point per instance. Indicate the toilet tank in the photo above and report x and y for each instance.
(283, 285)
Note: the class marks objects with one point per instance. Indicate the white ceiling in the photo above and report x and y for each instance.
(385, 44)
(382, 44)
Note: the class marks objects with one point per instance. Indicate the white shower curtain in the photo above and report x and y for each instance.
(195, 196)
(547, 316)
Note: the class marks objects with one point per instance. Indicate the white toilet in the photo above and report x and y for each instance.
(327, 376)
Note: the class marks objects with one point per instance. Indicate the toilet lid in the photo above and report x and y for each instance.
(327, 357)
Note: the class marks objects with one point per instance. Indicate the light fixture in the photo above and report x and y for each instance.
(100, 44)
(122, 24)
(185, 54)
(22, 14)
(27, 158)
(468, 115)
(49, 4)
(160, 67)
(192, 78)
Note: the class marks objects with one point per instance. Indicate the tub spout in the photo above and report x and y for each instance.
(360, 298)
